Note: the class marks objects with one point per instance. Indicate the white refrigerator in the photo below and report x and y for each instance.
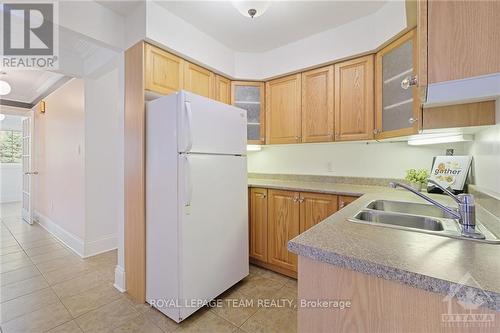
(196, 202)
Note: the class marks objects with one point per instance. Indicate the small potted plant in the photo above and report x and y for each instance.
(417, 178)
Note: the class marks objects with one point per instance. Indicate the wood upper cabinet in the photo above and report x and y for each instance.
(463, 39)
(398, 110)
(199, 80)
(249, 95)
(344, 200)
(317, 105)
(460, 115)
(315, 207)
(258, 224)
(163, 71)
(222, 89)
(421, 46)
(283, 110)
(283, 225)
(354, 85)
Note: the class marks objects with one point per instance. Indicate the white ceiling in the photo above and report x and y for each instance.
(120, 7)
(28, 85)
(78, 57)
(283, 22)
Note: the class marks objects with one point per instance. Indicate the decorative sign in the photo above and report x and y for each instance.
(451, 171)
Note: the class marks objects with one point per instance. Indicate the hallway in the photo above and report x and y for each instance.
(44, 284)
(45, 287)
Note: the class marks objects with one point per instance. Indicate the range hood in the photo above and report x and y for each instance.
(474, 89)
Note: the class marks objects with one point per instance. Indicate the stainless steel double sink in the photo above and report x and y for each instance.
(416, 217)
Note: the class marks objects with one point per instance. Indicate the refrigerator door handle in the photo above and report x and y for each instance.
(188, 188)
(189, 134)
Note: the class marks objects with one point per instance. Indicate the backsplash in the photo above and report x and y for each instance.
(489, 201)
(486, 163)
(353, 159)
(371, 181)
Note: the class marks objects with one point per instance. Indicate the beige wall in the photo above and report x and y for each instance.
(486, 152)
(104, 156)
(381, 160)
(60, 159)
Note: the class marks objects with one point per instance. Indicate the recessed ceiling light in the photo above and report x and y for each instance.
(4, 86)
(251, 9)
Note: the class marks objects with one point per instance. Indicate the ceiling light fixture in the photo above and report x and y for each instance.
(251, 9)
(4, 85)
(2, 117)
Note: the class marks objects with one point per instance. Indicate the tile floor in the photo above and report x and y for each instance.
(44, 287)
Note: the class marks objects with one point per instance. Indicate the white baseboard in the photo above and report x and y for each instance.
(73, 242)
(119, 279)
(102, 245)
(76, 244)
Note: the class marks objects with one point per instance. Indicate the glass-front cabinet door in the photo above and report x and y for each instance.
(397, 105)
(250, 96)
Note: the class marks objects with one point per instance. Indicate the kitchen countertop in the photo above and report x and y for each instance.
(430, 262)
(326, 187)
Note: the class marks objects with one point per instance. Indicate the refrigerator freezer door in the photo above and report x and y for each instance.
(208, 126)
(213, 222)
(162, 255)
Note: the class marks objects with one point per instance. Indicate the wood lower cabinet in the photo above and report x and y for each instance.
(198, 80)
(283, 225)
(315, 207)
(258, 224)
(222, 89)
(354, 84)
(283, 110)
(344, 200)
(163, 71)
(317, 105)
(277, 216)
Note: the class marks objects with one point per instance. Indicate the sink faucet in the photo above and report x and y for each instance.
(466, 213)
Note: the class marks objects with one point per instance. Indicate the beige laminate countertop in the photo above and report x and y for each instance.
(331, 188)
(430, 262)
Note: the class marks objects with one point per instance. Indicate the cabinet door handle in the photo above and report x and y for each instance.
(188, 186)
(409, 81)
(342, 204)
(412, 120)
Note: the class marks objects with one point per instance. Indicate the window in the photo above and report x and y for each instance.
(11, 146)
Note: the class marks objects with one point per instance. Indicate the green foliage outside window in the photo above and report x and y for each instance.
(11, 146)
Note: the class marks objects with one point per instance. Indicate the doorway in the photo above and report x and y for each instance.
(12, 164)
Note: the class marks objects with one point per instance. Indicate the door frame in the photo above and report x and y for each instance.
(28, 173)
